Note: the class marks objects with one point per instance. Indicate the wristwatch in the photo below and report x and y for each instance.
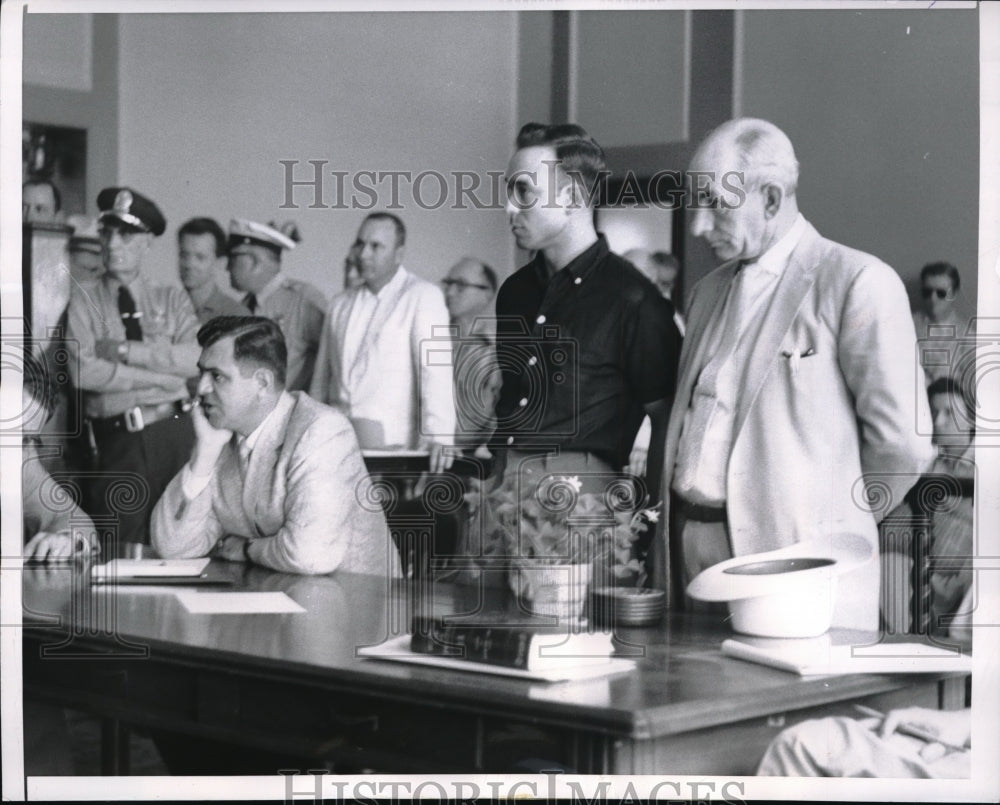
(246, 551)
(123, 351)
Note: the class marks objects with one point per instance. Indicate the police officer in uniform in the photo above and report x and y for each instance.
(297, 307)
(133, 346)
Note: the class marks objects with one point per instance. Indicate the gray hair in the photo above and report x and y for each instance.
(763, 152)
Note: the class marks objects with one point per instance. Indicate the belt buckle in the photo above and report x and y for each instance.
(133, 420)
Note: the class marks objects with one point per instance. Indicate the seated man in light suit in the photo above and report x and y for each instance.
(275, 478)
(796, 390)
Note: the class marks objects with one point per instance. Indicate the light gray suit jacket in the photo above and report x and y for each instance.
(817, 435)
(306, 502)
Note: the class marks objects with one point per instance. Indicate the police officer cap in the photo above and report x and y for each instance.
(132, 208)
(244, 234)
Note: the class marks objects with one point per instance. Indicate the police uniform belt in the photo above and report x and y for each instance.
(139, 417)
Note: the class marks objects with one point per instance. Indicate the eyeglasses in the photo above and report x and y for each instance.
(462, 285)
(940, 293)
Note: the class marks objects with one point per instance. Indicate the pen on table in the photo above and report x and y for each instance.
(908, 729)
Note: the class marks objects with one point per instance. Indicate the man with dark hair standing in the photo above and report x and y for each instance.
(201, 247)
(585, 344)
(381, 359)
(275, 478)
(133, 346)
(255, 252)
(940, 327)
(40, 202)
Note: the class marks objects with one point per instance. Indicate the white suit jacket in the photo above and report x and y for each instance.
(815, 435)
(402, 375)
(304, 504)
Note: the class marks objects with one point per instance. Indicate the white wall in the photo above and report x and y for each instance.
(209, 104)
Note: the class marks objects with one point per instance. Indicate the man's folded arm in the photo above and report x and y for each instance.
(92, 373)
(179, 358)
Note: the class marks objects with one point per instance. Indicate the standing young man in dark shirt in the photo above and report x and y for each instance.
(585, 343)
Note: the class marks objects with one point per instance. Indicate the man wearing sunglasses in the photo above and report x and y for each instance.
(938, 324)
(133, 347)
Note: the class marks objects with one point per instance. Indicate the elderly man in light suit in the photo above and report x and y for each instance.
(385, 353)
(797, 386)
(275, 478)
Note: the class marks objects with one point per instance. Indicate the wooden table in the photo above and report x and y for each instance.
(294, 683)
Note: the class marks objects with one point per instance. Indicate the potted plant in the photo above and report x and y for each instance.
(554, 540)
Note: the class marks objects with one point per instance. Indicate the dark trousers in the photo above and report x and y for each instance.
(133, 471)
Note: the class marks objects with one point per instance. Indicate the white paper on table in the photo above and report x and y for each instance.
(811, 657)
(150, 568)
(204, 603)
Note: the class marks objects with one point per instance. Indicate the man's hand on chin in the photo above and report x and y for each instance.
(208, 443)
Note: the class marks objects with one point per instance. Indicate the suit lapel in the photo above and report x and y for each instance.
(703, 318)
(793, 285)
(260, 472)
(703, 322)
(387, 303)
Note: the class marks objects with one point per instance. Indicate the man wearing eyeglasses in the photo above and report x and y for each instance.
(938, 324)
(468, 293)
(384, 354)
(133, 346)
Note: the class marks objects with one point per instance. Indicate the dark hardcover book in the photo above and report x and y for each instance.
(525, 647)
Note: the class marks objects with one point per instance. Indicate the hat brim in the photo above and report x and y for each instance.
(126, 218)
(772, 572)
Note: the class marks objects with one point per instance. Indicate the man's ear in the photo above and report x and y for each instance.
(265, 379)
(400, 253)
(773, 196)
(570, 193)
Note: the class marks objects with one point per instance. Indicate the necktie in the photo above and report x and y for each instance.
(130, 318)
(244, 455)
(251, 302)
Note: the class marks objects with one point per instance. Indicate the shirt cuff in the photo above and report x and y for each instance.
(193, 485)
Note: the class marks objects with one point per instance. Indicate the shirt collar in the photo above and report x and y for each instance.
(390, 287)
(580, 267)
(774, 260)
(136, 288)
(272, 285)
(251, 441)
